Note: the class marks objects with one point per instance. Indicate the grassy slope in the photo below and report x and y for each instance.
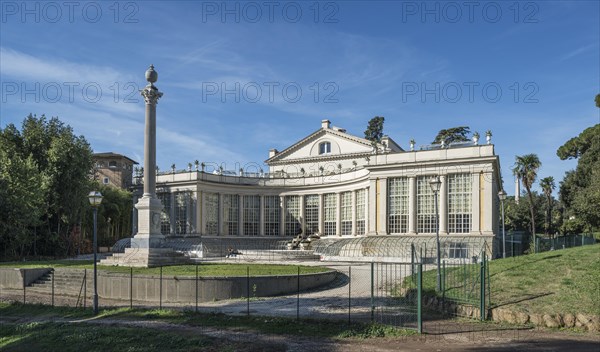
(562, 281)
(208, 269)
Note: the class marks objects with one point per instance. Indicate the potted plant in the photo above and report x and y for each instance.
(412, 144)
(488, 136)
(173, 167)
(475, 137)
(190, 167)
(197, 163)
(203, 165)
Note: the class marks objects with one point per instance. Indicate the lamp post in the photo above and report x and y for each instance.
(435, 184)
(95, 199)
(502, 196)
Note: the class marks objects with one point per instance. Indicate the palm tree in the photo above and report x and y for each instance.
(526, 168)
(548, 186)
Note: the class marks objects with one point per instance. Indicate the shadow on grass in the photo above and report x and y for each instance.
(523, 299)
(526, 263)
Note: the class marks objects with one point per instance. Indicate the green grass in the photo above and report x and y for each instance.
(207, 269)
(84, 337)
(561, 281)
(259, 324)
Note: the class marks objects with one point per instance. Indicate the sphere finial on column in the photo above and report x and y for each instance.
(151, 75)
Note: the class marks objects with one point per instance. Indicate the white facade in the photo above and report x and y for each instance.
(348, 188)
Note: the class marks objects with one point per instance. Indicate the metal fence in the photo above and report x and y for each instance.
(520, 242)
(386, 293)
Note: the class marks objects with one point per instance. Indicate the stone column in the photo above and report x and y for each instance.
(372, 206)
(241, 215)
(412, 205)
(282, 217)
(302, 215)
(261, 216)
(321, 215)
(338, 214)
(173, 221)
(443, 205)
(149, 207)
(475, 226)
(354, 213)
(383, 206)
(221, 214)
(199, 217)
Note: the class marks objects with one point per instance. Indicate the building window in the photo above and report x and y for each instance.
(251, 215)
(458, 250)
(272, 215)
(459, 203)
(183, 212)
(105, 180)
(311, 213)
(346, 213)
(324, 148)
(231, 214)
(211, 204)
(360, 212)
(398, 205)
(165, 215)
(292, 215)
(426, 221)
(330, 213)
(112, 164)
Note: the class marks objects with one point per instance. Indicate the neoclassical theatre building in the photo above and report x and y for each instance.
(352, 193)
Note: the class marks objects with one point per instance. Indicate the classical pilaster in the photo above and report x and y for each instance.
(321, 215)
(240, 214)
(372, 204)
(444, 205)
(173, 223)
(282, 216)
(261, 216)
(354, 213)
(383, 185)
(338, 214)
(487, 201)
(200, 224)
(475, 226)
(412, 205)
(220, 226)
(302, 215)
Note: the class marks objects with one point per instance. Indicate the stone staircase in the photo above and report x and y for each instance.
(66, 282)
(144, 257)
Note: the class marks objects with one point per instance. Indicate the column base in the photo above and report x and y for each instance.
(149, 235)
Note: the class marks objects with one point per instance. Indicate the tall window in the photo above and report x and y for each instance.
(165, 215)
(360, 212)
(272, 215)
(311, 213)
(231, 213)
(251, 215)
(426, 221)
(211, 206)
(459, 203)
(398, 205)
(325, 148)
(183, 212)
(292, 215)
(330, 213)
(346, 216)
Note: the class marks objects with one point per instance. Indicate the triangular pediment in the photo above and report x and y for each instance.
(341, 143)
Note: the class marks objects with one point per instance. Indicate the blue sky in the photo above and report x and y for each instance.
(528, 71)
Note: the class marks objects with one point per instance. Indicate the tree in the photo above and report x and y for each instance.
(374, 130)
(547, 184)
(526, 168)
(45, 169)
(454, 134)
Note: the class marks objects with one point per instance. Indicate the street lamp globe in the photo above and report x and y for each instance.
(95, 198)
(502, 195)
(435, 184)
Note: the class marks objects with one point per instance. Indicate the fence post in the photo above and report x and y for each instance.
(482, 290)
(196, 288)
(84, 287)
(298, 298)
(444, 280)
(349, 292)
(248, 290)
(420, 298)
(24, 285)
(372, 291)
(160, 290)
(131, 288)
(412, 261)
(52, 287)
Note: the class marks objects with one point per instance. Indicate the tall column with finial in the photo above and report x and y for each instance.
(149, 206)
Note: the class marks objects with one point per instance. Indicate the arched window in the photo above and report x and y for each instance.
(324, 148)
